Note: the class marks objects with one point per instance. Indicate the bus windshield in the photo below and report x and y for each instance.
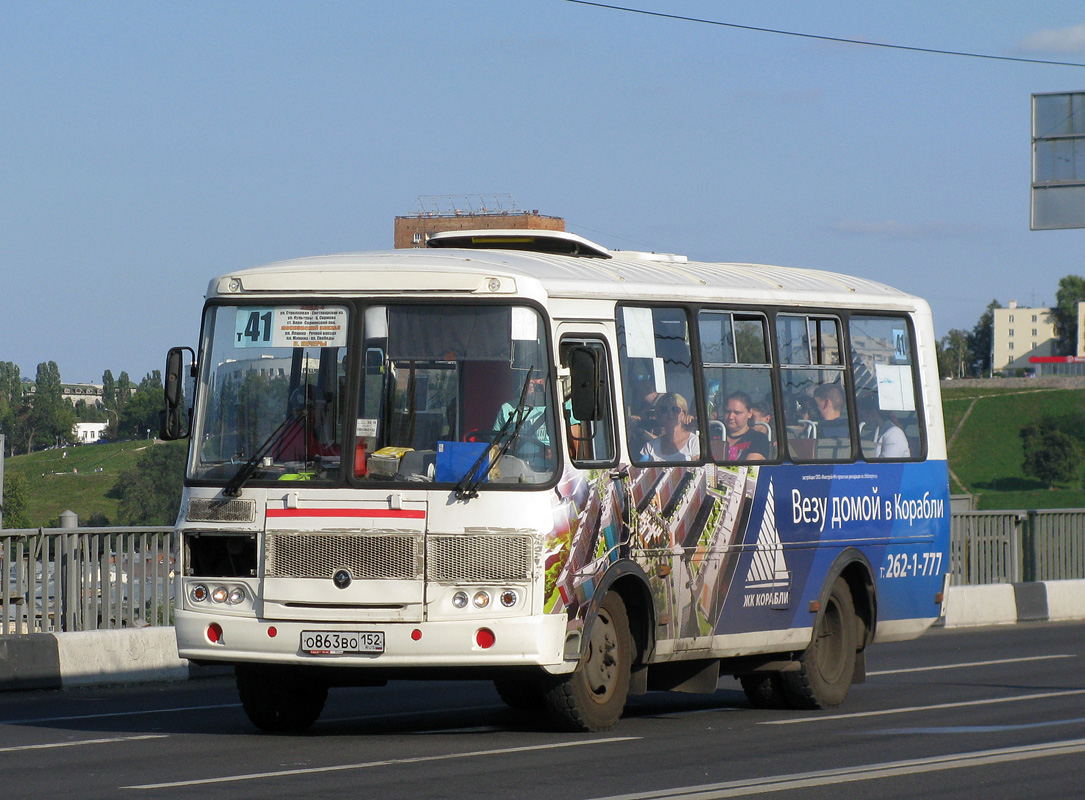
(273, 380)
(440, 390)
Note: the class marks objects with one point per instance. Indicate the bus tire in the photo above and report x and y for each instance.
(279, 699)
(592, 697)
(826, 667)
(764, 689)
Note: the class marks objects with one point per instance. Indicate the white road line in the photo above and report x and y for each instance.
(863, 772)
(368, 764)
(967, 664)
(81, 742)
(107, 714)
(937, 706)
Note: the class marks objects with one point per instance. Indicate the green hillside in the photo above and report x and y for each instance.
(985, 453)
(76, 478)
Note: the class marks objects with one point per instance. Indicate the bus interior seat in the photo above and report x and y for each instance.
(834, 448)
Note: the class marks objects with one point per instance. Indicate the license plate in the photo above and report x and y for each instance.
(334, 643)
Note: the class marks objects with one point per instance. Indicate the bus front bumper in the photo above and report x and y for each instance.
(520, 641)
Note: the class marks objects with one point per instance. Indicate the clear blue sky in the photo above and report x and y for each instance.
(146, 147)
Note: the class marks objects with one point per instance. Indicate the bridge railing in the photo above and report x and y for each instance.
(1017, 546)
(80, 579)
(84, 579)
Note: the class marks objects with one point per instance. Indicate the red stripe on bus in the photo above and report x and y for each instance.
(347, 512)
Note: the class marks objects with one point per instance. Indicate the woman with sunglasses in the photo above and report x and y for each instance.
(677, 442)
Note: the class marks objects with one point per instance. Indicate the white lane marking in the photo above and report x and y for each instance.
(105, 715)
(863, 772)
(967, 664)
(387, 763)
(81, 742)
(935, 707)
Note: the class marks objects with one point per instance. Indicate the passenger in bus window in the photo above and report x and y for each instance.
(889, 440)
(743, 442)
(830, 401)
(641, 420)
(676, 442)
(761, 416)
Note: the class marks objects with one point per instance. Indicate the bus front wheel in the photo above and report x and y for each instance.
(593, 696)
(827, 666)
(279, 699)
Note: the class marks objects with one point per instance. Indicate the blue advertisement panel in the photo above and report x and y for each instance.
(742, 549)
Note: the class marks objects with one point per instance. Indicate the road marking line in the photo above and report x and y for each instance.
(863, 772)
(968, 664)
(104, 715)
(937, 706)
(82, 742)
(387, 763)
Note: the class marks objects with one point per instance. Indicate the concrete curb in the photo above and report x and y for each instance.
(140, 655)
(91, 658)
(1007, 603)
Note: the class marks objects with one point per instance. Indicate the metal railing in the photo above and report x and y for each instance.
(84, 579)
(81, 579)
(1017, 546)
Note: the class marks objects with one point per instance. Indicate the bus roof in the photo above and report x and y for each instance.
(623, 276)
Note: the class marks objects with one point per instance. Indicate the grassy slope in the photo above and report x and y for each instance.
(78, 481)
(987, 454)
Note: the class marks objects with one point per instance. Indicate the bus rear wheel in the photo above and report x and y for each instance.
(827, 666)
(764, 689)
(592, 697)
(279, 699)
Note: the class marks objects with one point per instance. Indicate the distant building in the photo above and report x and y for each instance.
(437, 214)
(1020, 334)
(90, 393)
(89, 432)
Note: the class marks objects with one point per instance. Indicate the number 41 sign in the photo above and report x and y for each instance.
(290, 326)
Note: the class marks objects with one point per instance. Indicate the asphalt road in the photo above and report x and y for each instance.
(997, 712)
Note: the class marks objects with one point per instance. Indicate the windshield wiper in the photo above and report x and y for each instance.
(467, 488)
(233, 486)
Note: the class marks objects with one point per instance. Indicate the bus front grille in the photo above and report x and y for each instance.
(475, 557)
(366, 556)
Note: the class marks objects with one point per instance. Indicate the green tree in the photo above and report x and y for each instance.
(957, 350)
(1051, 456)
(16, 498)
(150, 492)
(141, 413)
(11, 403)
(1071, 291)
(983, 338)
(109, 402)
(51, 417)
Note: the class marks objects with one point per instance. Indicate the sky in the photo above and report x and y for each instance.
(147, 147)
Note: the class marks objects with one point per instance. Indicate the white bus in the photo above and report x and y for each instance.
(583, 474)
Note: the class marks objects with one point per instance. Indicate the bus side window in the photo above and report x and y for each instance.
(883, 366)
(737, 376)
(590, 440)
(662, 408)
(815, 388)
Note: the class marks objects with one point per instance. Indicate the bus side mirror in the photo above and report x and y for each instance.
(585, 383)
(174, 419)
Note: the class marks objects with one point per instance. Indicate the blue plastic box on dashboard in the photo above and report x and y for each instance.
(454, 459)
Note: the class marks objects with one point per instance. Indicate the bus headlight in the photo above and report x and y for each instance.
(219, 594)
(459, 599)
(237, 595)
(481, 599)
